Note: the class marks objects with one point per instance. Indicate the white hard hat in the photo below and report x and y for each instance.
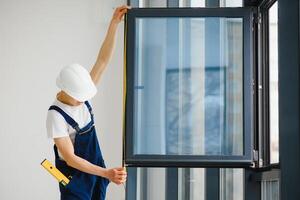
(76, 81)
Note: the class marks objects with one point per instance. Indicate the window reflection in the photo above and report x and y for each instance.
(152, 3)
(231, 184)
(188, 86)
(186, 184)
(202, 3)
(270, 190)
(231, 3)
(192, 3)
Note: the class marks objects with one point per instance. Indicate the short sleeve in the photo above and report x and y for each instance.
(56, 125)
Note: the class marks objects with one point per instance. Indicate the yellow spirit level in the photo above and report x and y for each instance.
(55, 172)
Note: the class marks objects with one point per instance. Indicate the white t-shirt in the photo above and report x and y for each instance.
(58, 127)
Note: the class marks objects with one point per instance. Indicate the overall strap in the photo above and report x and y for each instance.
(90, 110)
(68, 119)
(56, 152)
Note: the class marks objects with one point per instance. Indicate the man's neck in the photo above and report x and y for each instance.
(66, 99)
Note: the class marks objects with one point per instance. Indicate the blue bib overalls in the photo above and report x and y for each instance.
(82, 186)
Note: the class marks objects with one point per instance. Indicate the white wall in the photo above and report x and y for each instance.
(37, 38)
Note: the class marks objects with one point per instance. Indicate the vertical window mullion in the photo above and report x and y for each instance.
(172, 184)
(131, 184)
(252, 186)
(212, 184)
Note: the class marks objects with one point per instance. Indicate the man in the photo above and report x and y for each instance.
(70, 123)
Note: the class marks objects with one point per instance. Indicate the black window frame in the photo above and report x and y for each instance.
(254, 178)
(246, 160)
(263, 82)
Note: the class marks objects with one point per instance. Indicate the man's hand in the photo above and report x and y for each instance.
(119, 13)
(116, 175)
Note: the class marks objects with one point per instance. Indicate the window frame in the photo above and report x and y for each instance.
(263, 84)
(146, 160)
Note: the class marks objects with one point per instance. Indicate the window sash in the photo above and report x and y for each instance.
(190, 160)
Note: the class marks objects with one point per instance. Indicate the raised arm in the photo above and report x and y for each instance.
(107, 47)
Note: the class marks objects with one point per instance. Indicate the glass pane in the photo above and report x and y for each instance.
(231, 184)
(188, 87)
(209, 3)
(231, 3)
(191, 184)
(187, 3)
(192, 3)
(149, 186)
(270, 190)
(185, 184)
(273, 84)
(152, 3)
(170, 184)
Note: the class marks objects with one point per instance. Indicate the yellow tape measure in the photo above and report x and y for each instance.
(124, 88)
(55, 172)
